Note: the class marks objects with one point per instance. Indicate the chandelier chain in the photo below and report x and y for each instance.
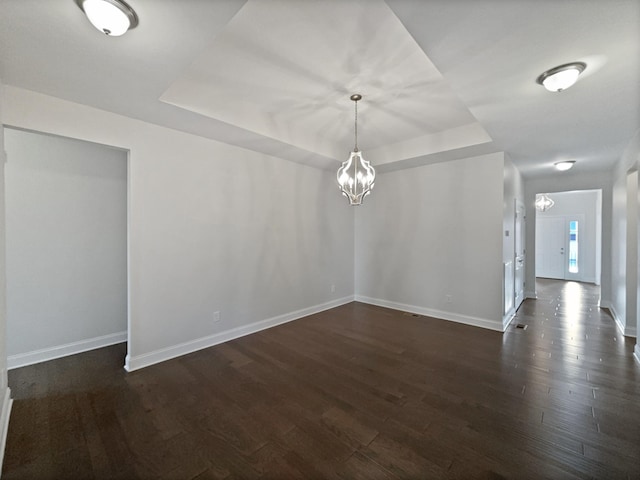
(356, 125)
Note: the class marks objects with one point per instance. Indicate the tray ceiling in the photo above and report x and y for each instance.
(297, 92)
(441, 79)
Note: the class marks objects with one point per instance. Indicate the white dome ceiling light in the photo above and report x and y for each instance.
(111, 17)
(561, 77)
(566, 165)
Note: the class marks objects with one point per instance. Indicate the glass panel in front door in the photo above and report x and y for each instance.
(573, 246)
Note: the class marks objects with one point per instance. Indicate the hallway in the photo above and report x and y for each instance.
(580, 369)
(354, 392)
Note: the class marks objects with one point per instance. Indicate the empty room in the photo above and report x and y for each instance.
(357, 239)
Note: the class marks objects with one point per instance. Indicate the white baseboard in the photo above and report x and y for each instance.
(508, 318)
(51, 353)
(146, 359)
(626, 330)
(616, 318)
(605, 304)
(636, 353)
(497, 325)
(531, 294)
(4, 422)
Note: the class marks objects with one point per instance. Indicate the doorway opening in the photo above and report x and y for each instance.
(569, 237)
(66, 246)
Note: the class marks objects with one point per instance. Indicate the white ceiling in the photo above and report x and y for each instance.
(440, 79)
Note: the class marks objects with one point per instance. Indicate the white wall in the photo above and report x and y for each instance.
(212, 227)
(66, 231)
(560, 182)
(624, 253)
(637, 292)
(619, 252)
(5, 392)
(632, 253)
(637, 346)
(433, 231)
(583, 202)
(513, 190)
(3, 159)
(625, 256)
(599, 237)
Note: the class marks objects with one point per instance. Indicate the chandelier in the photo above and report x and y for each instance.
(543, 202)
(356, 175)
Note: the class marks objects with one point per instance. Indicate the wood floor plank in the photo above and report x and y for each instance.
(359, 467)
(347, 428)
(401, 461)
(355, 392)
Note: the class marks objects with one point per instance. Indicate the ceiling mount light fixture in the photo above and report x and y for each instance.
(561, 77)
(356, 175)
(111, 17)
(566, 165)
(543, 202)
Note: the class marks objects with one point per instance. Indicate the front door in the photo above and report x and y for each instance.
(558, 247)
(550, 245)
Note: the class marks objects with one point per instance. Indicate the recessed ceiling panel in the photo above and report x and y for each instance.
(285, 69)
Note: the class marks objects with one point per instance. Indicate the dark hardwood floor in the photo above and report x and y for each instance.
(357, 392)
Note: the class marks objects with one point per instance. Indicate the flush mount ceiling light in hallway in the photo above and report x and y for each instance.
(356, 175)
(543, 202)
(566, 165)
(561, 77)
(111, 17)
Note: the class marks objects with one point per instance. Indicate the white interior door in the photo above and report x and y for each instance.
(519, 253)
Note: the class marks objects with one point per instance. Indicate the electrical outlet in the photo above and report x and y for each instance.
(216, 316)
(448, 298)
(333, 289)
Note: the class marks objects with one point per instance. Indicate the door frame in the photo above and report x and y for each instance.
(519, 230)
(78, 347)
